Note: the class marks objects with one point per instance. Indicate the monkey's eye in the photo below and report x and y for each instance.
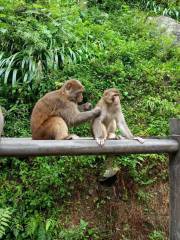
(115, 95)
(79, 92)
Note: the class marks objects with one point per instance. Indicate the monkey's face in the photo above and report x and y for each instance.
(79, 96)
(111, 96)
(74, 91)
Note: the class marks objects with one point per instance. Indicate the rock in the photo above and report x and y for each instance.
(168, 26)
(111, 172)
(108, 177)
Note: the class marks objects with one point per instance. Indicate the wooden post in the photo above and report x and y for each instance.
(174, 183)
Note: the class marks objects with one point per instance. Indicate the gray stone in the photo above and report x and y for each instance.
(167, 25)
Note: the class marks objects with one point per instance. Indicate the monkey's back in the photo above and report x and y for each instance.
(43, 109)
(54, 103)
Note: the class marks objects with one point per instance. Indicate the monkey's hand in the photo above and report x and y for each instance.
(96, 111)
(85, 106)
(100, 141)
(139, 139)
(72, 136)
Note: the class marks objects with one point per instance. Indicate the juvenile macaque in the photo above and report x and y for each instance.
(111, 119)
(1, 122)
(58, 110)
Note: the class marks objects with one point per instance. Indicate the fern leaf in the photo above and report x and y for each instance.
(5, 216)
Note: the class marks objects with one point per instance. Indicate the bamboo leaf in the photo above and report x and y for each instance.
(25, 77)
(14, 76)
(7, 72)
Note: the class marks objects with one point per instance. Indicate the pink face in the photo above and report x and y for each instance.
(111, 96)
(116, 99)
(79, 97)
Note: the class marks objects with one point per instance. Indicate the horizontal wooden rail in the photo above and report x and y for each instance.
(84, 146)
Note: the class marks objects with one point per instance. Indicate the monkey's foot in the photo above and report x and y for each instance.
(100, 141)
(139, 139)
(112, 136)
(120, 137)
(72, 136)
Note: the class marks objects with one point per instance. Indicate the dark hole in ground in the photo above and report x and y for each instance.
(108, 182)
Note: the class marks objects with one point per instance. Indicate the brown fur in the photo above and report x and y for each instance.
(111, 118)
(57, 110)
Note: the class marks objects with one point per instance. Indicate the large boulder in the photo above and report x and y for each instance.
(168, 26)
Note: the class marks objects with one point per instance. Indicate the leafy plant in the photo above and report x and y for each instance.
(40, 229)
(5, 217)
(81, 232)
(46, 47)
(156, 235)
(166, 8)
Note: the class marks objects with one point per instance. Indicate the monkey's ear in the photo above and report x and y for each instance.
(106, 93)
(68, 86)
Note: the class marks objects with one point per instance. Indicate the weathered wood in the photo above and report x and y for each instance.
(174, 126)
(174, 183)
(28, 147)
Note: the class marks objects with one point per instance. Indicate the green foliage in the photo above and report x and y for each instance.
(40, 229)
(81, 232)
(103, 44)
(36, 189)
(141, 172)
(44, 41)
(156, 235)
(107, 5)
(166, 8)
(161, 7)
(143, 196)
(5, 217)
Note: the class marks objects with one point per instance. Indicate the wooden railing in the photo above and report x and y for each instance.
(88, 146)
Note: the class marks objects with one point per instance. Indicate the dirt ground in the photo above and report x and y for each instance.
(120, 210)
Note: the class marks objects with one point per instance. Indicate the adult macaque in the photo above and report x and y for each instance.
(1, 122)
(58, 110)
(111, 119)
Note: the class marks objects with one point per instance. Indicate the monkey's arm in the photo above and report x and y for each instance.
(82, 117)
(99, 130)
(125, 131)
(122, 125)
